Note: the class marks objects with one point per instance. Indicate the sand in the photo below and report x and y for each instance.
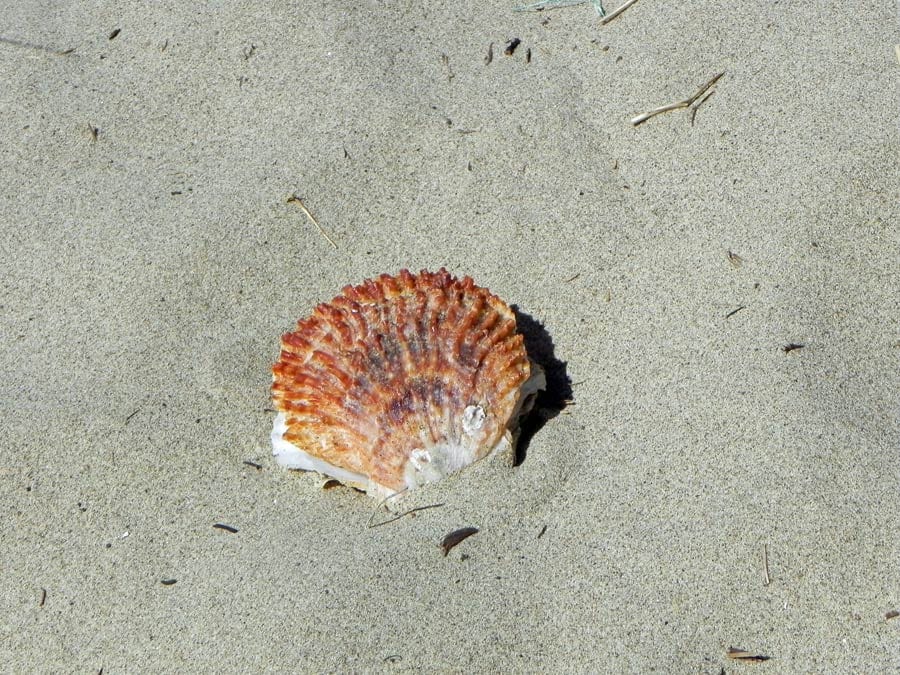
(150, 261)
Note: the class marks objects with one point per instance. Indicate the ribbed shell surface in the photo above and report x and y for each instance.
(390, 366)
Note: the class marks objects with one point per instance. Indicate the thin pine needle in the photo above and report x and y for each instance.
(401, 515)
(30, 45)
(299, 202)
(384, 501)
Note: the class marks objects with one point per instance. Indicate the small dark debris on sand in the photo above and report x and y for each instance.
(455, 537)
(511, 46)
(744, 655)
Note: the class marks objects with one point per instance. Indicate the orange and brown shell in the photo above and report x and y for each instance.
(401, 381)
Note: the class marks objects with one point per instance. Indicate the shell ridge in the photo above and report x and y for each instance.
(461, 346)
(488, 339)
(400, 319)
(439, 416)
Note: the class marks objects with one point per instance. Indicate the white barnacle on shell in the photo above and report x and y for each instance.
(420, 459)
(473, 419)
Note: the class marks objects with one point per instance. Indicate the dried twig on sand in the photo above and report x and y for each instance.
(744, 655)
(686, 103)
(698, 104)
(612, 15)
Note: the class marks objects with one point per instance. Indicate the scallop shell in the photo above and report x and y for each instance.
(400, 381)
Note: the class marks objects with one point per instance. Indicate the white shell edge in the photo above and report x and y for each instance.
(290, 456)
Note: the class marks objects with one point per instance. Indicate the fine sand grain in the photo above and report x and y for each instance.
(709, 487)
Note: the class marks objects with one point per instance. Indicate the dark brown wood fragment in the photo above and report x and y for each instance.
(455, 537)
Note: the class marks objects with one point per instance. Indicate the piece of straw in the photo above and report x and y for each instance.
(612, 15)
(299, 202)
(686, 103)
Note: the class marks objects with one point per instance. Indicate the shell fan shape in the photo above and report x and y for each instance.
(401, 381)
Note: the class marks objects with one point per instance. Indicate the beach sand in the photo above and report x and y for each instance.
(150, 261)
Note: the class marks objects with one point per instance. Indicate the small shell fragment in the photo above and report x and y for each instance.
(401, 381)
